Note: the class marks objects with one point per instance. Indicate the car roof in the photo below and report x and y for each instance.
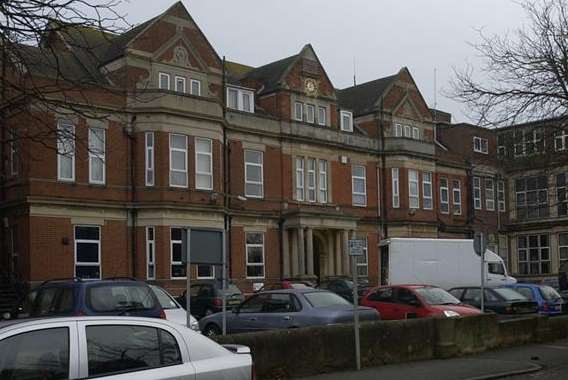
(534, 286)
(296, 291)
(407, 286)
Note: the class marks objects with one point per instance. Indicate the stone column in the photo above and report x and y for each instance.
(295, 258)
(338, 255)
(310, 251)
(346, 263)
(285, 254)
(330, 254)
(301, 252)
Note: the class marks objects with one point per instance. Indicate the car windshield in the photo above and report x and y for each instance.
(118, 298)
(549, 293)
(231, 289)
(510, 294)
(496, 268)
(437, 296)
(166, 301)
(325, 299)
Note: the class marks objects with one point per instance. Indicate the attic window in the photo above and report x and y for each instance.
(346, 121)
(240, 99)
(310, 66)
(480, 145)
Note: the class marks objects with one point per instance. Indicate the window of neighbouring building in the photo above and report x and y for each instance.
(395, 188)
(561, 140)
(489, 194)
(322, 116)
(88, 252)
(359, 185)
(534, 254)
(413, 192)
(240, 99)
(178, 160)
(480, 145)
(323, 192)
(97, 161)
(195, 87)
(255, 255)
(164, 81)
(205, 272)
(203, 164)
(346, 121)
(427, 200)
(501, 195)
(254, 177)
(65, 151)
(180, 84)
(300, 178)
(562, 194)
(477, 193)
(14, 152)
(311, 180)
(178, 268)
(501, 148)
(563, 251)
(151, 253)
(363, 261)
(444, 196)
(149, 159)
(528, 142)
(532, 197)
(456, 195)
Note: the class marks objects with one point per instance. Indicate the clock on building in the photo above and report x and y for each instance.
(311, 87)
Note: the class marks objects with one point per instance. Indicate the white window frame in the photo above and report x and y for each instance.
(323, 168)
(93, 156)
(398, 130)
(247, 246)
(150, 246)
(211, 267)
(240, 96)
(415, 133)
(444, 193)
(413, 199)
(427, 190)
(209, 156)
(311, 179)
(172, 262)
(477, 204)
(298, 111)
(149, 165)
(310, 113)
(365, 263)
(184, 151)
(489, 194)
(355, 178)
(300, 179)
(480, 145)
(561, 140)
(261, 182)
(164, 75)
(349, 127)
(395, 177)
(61, 151)
(78, 241)
(236, 92)
(407, 131)
(501, 196)
(191, 83)
(322, 115)
(179, 79)
(457, 206)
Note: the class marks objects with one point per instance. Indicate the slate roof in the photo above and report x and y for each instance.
(361, 99)
(271, 74)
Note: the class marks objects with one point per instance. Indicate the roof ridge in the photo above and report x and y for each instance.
(368, 82)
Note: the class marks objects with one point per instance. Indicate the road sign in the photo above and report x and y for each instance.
(356, 247)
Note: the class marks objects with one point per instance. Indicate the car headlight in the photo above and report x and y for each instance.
(451, 313)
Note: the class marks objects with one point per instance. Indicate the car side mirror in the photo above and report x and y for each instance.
(6, 315)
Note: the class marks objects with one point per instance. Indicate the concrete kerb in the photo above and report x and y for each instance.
(502, 375)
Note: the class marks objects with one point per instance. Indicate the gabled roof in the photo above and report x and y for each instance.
(361, 99)
(272, 74)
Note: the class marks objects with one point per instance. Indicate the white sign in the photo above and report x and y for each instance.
(356, 247)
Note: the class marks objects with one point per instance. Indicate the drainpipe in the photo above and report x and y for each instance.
(382, 210)
(132, 187)
(3, 172)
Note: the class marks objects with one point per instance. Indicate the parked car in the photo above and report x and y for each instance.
(285, 309)
(415, 301)
(548, 300)
(207, 297)
(285, 284)
(501, 300)
(173, 310)
(115, 348)
(344, 287)
(74, 297)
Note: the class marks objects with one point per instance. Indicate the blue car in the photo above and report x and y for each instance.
(76, 297)
(548, 299)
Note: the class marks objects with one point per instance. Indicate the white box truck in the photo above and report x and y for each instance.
(446, 263)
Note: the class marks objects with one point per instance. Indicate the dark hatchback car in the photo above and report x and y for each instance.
(503, 301)
(76, 297)
(344, 287)
(207, 297)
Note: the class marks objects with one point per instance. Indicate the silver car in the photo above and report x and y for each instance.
(173, 310)
(115, 348)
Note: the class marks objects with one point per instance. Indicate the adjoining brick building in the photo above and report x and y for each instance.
(274, 160)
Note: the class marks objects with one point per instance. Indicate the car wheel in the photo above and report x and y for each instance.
(211, 330)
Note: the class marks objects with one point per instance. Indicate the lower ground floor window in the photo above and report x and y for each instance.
(255, 255)
(205, 272)
(88, 252)
(533, 254)
(363, 262)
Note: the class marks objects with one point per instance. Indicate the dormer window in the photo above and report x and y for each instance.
(240, 99)
(164, 81)
(346, 121)
(480, 145)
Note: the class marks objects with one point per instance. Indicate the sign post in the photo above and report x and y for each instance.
(356, 249)
(479, 246)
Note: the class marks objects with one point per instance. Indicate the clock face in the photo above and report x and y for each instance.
(311, 86)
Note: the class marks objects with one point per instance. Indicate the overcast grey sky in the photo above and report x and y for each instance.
(382, 35)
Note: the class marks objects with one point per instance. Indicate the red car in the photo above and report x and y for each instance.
(415, 301)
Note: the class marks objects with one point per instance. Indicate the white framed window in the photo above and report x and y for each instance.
(363, 261)
(322, 115)
(164, 81)
(444, 196)
(359, 185)
(427, 200)
(88, 252)
(532, 197)
(150, 253)
(480, 145)
(97, 159)
(456, 195)
(501, 195)
(407, 131)
(14, 155)
(562, 193)
(398, 130)
(299, 178)
(346, 121)
(149, 158)
(489, 194)
(323, 193)
(255, 255)
(413, 189)
(534, 254)
(240, 99)
(477, 193)
(561, 140)
(178, 267)
(415, 133)
(180, 84)
(203, 164)
(310, 113)
(299, 111)
(195, 86)
(178, 160)
(311, 180)
(205, 272)
(65, 151)
(395, 187)
(254, 176)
